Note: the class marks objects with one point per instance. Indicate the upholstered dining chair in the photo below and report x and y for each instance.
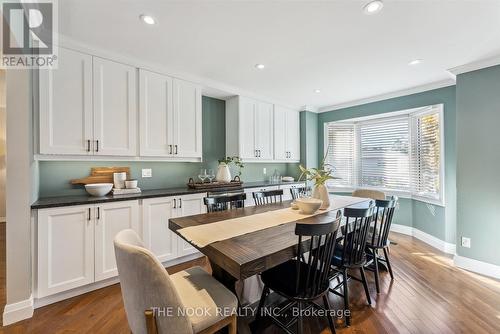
(156, 302)
(369, 193)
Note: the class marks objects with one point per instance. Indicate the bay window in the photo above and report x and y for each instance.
(398, 152)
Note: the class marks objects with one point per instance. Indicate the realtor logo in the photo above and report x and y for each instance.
(28, 34)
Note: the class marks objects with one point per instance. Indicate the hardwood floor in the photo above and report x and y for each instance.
(428, 295)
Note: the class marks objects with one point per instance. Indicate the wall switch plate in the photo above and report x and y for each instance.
(264, 170)
(465, 242)
(147, 172)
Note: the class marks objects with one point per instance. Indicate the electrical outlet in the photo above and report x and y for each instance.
(264, 170)
(465, 242)
(148, 172)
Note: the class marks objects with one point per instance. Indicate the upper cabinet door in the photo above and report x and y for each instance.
(247, 128)
(280, 137)
(293, 135)
(111, 218)
(155, 113)
(265, 130)
(187, 119)
(66, 105)
(115, 108)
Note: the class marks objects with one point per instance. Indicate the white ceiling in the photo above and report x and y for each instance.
(305, 45)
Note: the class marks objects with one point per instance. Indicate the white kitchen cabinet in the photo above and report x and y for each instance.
(115, 108)
(188, 205)
(265, 130)
(156, 235)
(187, 118)
(88, 107)
(156, 114)
(111, 218)
(249, 129)
(65, 249)
(66, 105)
(286, 134)
(170, 117)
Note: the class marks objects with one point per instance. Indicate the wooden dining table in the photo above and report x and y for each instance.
(240, 257)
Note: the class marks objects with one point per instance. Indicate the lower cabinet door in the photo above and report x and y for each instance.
(156, 235)
(65, 249)
(111, 218)
(189, 205)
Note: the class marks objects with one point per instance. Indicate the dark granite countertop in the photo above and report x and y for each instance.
(59, 201)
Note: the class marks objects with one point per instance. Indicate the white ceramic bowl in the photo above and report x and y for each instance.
(287, 179)
(308, 205)
(98, 189)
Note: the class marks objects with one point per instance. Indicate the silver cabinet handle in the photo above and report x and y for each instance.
(175, 203)
(169, 149)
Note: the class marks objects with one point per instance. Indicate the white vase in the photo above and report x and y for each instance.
(321, 192)
(223, 173)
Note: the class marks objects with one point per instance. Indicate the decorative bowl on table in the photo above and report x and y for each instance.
(308, 205)
(98, 189)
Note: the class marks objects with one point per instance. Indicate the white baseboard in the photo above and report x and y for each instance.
(431, 240)
(476, 266)
(18, 311)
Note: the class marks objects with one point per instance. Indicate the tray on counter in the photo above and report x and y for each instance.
(214, 185)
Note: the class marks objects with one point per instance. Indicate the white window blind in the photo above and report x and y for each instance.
(384, 154)
(340, 139)
(401, 152)
(426, 154)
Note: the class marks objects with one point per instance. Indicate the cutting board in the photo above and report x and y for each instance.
(101, 175)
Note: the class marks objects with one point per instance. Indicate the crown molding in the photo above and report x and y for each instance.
(404, 92)
(475, 65)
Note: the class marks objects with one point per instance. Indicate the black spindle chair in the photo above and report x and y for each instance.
(378, 234)
(295, 192)
(225, 202)
(305, 278)
(350, 253)
(268, 197)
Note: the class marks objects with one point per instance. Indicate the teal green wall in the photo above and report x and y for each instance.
(478, 161)
(309, 139)
(435, 220)
(55, 175)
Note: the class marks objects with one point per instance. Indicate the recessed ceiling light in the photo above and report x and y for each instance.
(373, 7)
(317, 91)
(415, 62)
(260, 66)
(148, 19)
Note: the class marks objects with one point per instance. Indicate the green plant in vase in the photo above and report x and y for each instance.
(319, 176)
(223, 172)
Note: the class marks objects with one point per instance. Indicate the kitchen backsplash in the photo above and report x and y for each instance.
(55, 175)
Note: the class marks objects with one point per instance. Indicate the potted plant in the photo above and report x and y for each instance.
(319, 176)
(223, 172)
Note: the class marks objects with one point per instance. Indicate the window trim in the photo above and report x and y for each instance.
(411, 113)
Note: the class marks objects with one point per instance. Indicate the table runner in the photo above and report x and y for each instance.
(203, 235)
